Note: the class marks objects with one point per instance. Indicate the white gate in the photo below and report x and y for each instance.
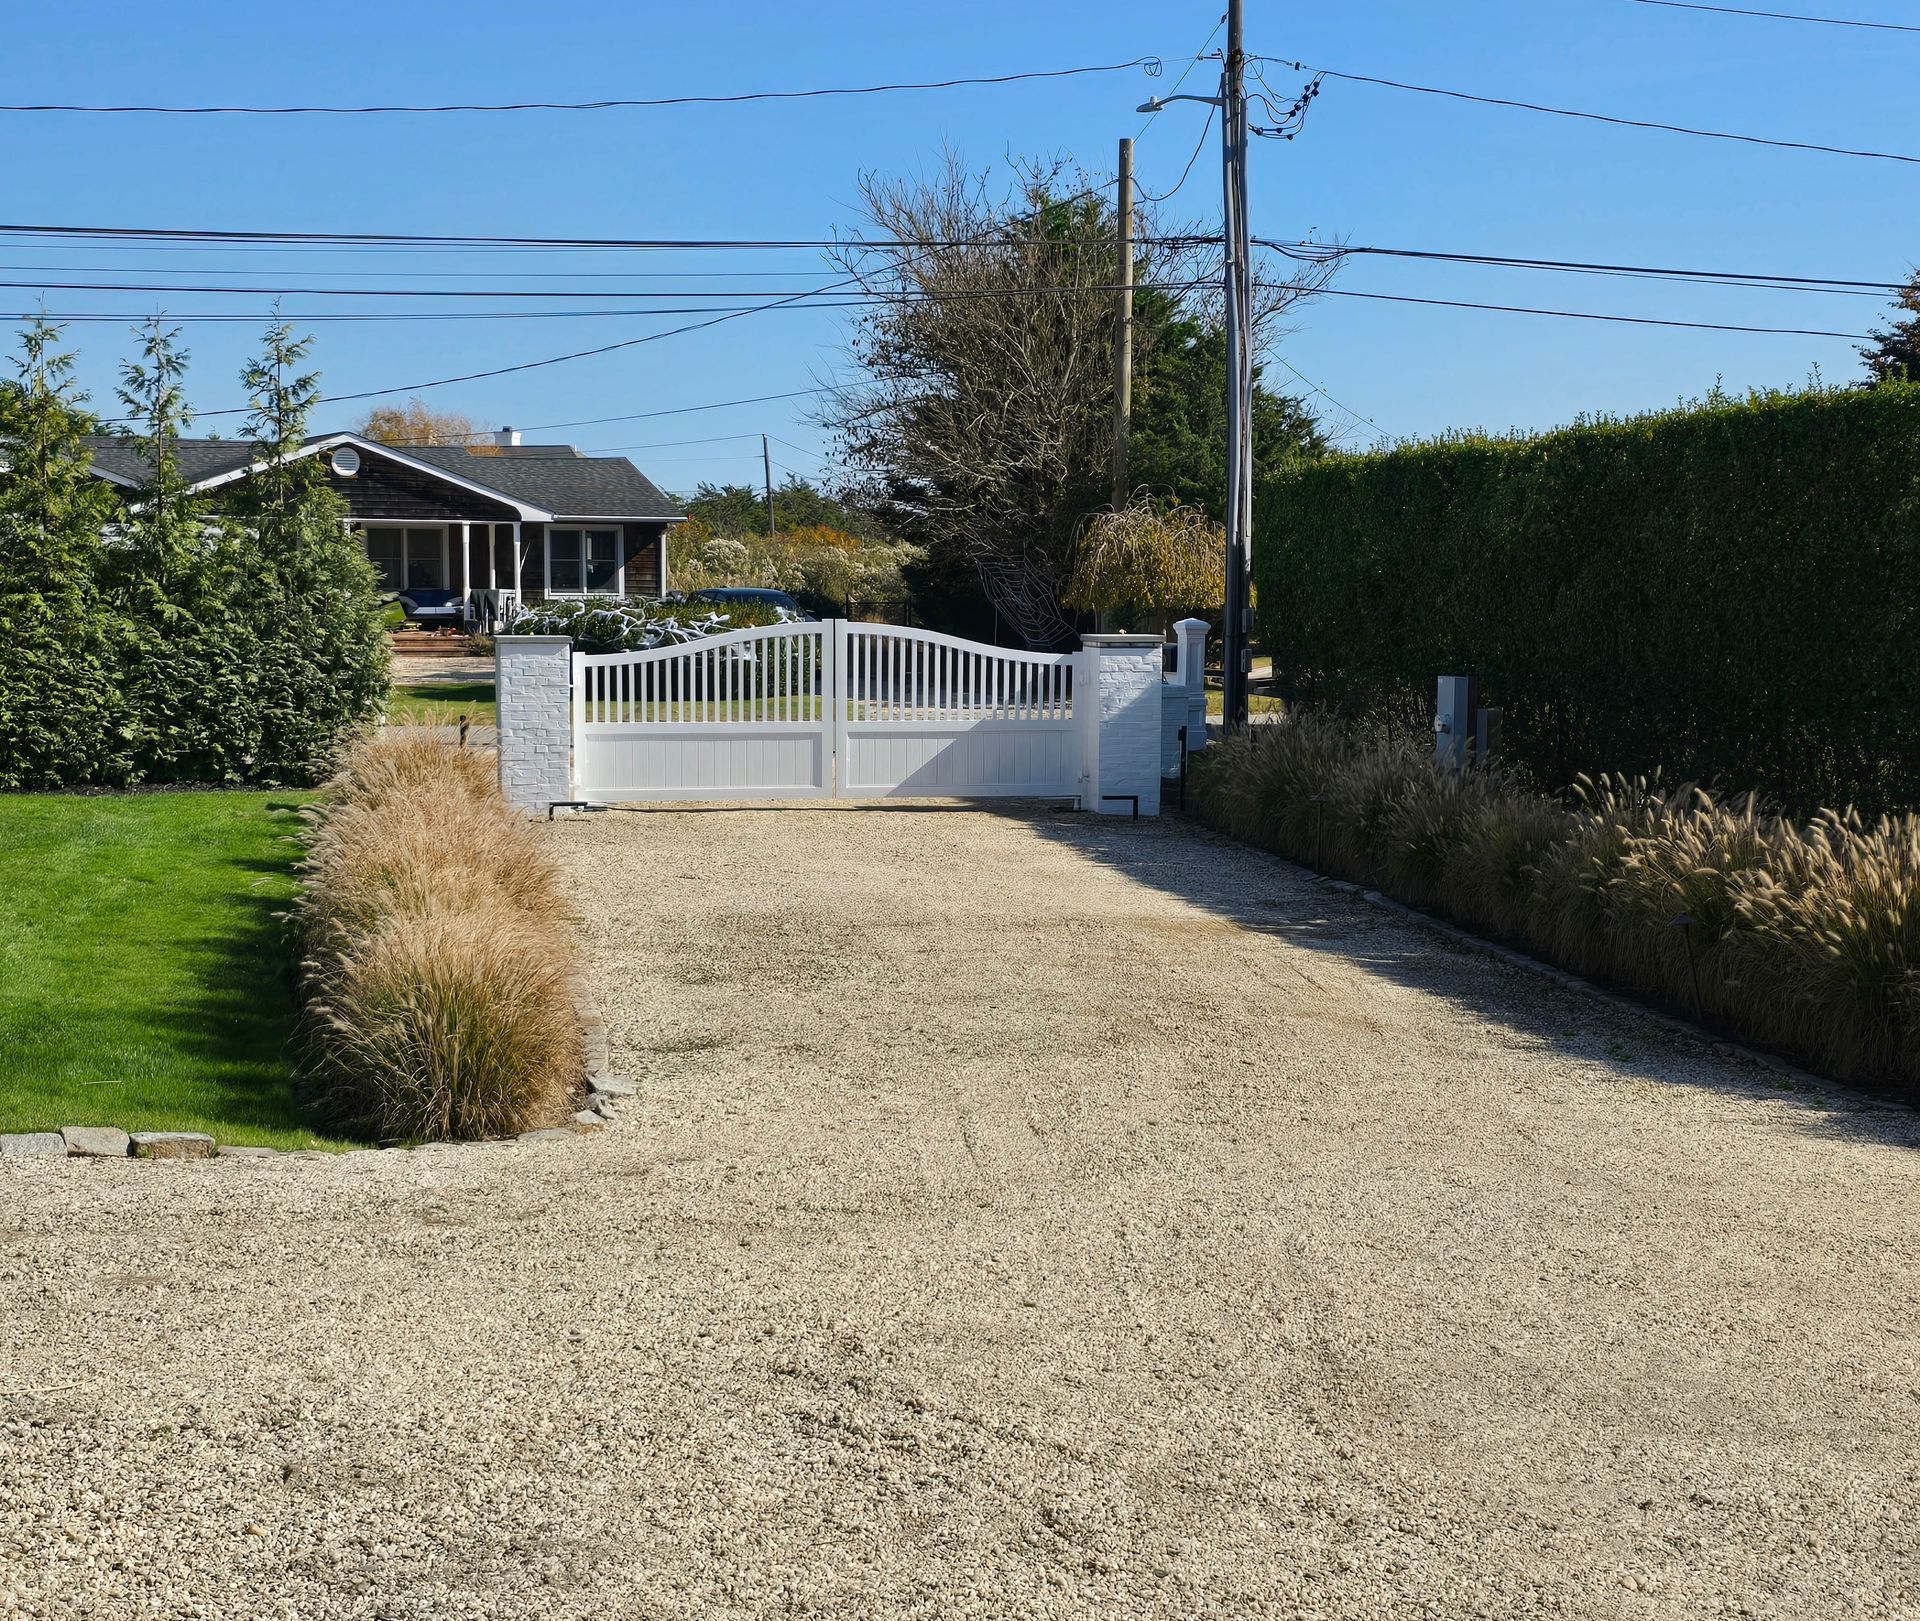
(933, 717)
(803, 710)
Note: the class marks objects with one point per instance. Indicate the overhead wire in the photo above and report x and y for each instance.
(1315, 252)
(1591, 315)
(710, 321)
(1598, 118)
(1782, 16)
(1153, 66)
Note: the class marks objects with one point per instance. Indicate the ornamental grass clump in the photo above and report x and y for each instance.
(1803, 937)
(437, 952)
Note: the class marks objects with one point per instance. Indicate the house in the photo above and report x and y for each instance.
(447, 521)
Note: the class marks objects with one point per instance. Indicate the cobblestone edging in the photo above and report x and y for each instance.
(605, 1095)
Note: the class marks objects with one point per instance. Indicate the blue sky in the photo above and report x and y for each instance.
(1373, 166)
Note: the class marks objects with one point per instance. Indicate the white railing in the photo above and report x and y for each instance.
(898, 675)
(769, 673)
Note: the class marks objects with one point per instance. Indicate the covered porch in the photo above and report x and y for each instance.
(474, 569)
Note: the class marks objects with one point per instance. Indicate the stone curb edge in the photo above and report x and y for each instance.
(604, 1094)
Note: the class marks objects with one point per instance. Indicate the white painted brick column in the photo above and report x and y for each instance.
(1123, 673)
(533, 686)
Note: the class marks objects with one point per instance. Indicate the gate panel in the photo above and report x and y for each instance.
(932, 716)
(745, 715)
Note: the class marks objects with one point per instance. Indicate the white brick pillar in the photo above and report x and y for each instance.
(1120, 678)
(533, 686)
(1191, 673)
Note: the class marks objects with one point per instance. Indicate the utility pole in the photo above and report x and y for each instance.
(766, 467)
(1123, 330)
(1237, 286)
(1237, 278)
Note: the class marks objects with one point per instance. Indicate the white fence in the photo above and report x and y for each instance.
(796, 711)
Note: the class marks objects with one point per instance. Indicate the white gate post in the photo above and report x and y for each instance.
(833, 693)
(1122, 698)
(533, 690)
(1086, 713)
(1191, 672)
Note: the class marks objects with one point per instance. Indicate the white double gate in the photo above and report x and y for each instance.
(854, 711)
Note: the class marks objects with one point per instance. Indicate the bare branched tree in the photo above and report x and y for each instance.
(985, 401)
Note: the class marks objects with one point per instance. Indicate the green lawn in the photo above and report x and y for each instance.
(144, 978)
(1256, 704)
(442, 703)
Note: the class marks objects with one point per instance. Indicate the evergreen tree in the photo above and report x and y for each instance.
(1177, 443)
(313, 598)
(178, 579)
(1895, 355)
(60, 718)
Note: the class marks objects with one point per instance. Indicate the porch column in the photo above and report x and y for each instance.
(519, 563)
(466, 553)
(493, 556)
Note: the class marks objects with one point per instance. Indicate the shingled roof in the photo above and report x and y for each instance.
(558, 478)
(197, 459)
(555, 478)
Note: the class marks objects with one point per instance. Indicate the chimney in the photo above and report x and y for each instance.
(507, 436)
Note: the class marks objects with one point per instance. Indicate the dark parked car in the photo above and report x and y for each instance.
(727, 596)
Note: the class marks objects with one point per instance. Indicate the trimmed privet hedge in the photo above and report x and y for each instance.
(1730, 593)
(1804, 936)
(155, 638)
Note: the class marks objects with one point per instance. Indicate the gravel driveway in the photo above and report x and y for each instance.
(1023, 1216)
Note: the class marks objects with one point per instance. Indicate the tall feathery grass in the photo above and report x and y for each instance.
(436, 952)
(1801, 937)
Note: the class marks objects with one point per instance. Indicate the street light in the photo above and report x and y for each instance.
(1158, 102)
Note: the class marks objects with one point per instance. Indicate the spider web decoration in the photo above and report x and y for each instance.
(1025, 598)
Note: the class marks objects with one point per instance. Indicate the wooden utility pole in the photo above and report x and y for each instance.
(1123, 331)
(1239, 312)
(766, 467)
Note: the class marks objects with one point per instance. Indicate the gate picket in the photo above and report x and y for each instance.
(815, 709)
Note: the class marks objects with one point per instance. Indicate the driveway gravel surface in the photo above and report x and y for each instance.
(1021, 1215)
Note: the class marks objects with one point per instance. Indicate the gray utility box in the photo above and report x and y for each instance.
(1453, 721)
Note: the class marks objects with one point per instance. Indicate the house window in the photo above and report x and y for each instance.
(408, 559)
(584, 561)
(386, 551)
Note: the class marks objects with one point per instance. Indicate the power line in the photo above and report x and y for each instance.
(1192, 158)
(1589, 315)
(585, 354)
(391, 275)
(582, 294)
(1776, 281)
(340, 239)
(1152, 64)
(1317, 389)
(1783, 16)
(1599, 118)
(685, 410)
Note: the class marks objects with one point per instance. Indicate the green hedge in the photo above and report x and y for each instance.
(1729, 592)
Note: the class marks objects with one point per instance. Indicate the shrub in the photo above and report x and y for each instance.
(163, 640)
(1729, 593)
(1805, 938)
(436, 952)
(616, 625)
